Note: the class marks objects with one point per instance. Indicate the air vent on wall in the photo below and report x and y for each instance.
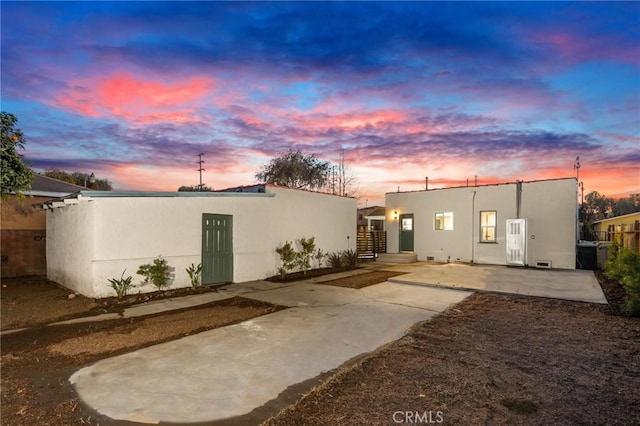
(543, 264)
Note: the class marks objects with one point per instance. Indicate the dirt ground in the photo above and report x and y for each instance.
(492, 359)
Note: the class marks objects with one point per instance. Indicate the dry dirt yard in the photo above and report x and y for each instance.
(492, 359)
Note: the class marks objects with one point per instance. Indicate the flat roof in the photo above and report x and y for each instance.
(479, 186)
(172, 194)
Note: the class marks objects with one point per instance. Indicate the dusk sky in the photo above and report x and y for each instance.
(133, 91)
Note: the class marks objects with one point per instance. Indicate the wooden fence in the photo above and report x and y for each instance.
(370, 243)
(627, 235)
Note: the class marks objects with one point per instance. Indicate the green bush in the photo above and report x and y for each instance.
(194, 273)
(343, 260)
(349, 259)
(303, 257)
(319, 256)
(288, 259)
(121, 285)
(158, 273)
(624, 265)
(335, 260)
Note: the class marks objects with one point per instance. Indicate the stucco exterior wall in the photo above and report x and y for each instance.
(549, 207)
(70, 246)
(551, 211)
(131, 231)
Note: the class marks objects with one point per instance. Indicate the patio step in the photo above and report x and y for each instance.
(397, 257)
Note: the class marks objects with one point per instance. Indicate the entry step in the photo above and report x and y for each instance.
(397, 257)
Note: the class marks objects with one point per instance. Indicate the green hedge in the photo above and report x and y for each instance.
(624, 265)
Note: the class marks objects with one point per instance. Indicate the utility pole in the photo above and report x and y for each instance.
(576, 165)
(200, 169)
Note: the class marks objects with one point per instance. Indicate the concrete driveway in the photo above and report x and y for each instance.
(234, 371)
(576, 285)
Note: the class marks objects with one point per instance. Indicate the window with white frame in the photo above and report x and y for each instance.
(443, 221)
(488, 221)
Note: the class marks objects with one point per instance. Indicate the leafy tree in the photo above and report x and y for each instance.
(596, 207)
(630, 204)
(294, 169)
(195, 188)
(79, 178)
(16, 175)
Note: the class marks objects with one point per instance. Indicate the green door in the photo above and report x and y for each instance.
(217, 248)
(406, 232)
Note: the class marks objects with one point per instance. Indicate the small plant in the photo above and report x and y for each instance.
(194, 272)
(159, 273)
(303, 257)
(624, 265)
(121, 285)
(349, 259)
(319, 256)
(288, 258)
(335, 260)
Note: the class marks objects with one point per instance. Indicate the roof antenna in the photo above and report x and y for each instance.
(200, 162)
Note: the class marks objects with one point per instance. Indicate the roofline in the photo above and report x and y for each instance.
(167, 194)
(616, 217)
(479, 186)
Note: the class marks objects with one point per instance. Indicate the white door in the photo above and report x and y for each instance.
(516, 242)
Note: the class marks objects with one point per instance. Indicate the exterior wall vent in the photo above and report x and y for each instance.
(543, 264)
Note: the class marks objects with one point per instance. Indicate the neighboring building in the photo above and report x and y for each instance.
(93, 237)
(23, 239)
(623, 229)
(522, 223)
(371, 218)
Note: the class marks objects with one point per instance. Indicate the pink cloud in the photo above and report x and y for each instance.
(133, 98)
(577, 48)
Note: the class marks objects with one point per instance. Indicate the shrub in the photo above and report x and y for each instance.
(335, 260)
(121, 285)
(287, 257)
(349, 259)
(303, 257)
(319, 256)
(624, 266)
(194, 273)
(158, 273)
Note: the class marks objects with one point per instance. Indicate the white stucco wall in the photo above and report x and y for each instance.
(548, 206)
(126, 232)
(70, 242)
(551, 211)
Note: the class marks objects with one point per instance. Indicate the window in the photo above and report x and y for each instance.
(443, 221)
(488, 226)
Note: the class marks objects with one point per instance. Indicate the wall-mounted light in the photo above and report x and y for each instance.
(394, 215)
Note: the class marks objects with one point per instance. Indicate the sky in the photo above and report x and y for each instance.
(505, 91)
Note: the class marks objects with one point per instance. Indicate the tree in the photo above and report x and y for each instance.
(16, 175)
(294, 169)
(79, 178)
(343, 181)
(596, 207)
(630, 204)
(194, 188)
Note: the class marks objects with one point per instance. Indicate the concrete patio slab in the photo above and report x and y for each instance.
(576, 285)
(233, 370)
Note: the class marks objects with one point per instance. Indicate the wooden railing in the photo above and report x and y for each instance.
(627, 235)
(370, 243)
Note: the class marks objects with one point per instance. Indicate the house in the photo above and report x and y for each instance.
(371, 218)
(521, 223)
(23, 239)
(624, 229)
(95, 236)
